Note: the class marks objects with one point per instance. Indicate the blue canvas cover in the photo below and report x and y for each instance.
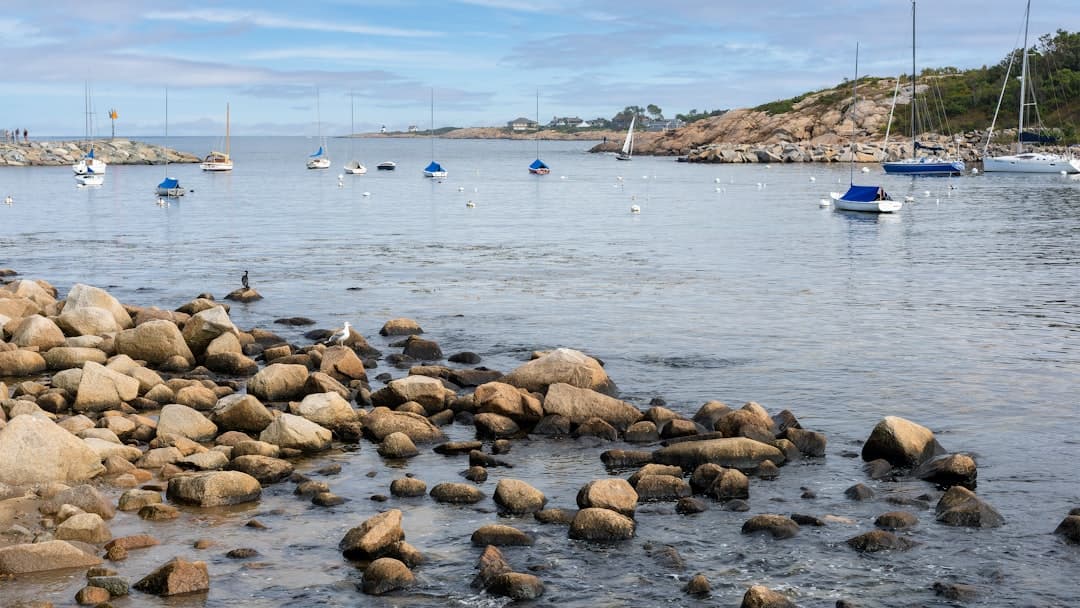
(318, 153)
(169, 183)
(865, 194)
(90, 154)
(538, 164)
(433, 167)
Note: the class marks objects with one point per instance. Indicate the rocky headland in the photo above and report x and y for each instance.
(121, 416)
(112, 151)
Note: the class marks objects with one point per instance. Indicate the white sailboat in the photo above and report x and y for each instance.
(353, 167)
(219, 161)
(88, 165)
(433, 169)
(170, 186)
(1025, 162)
(538, 167)
(320, 159)
(628, 145)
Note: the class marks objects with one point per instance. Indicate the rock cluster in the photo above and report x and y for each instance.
(112, 151)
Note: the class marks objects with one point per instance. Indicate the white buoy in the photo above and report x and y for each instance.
(470, 204)
(823, 202)
(461, 188)
(562, 177)
(926, 193)
(635, 209)
(367, 194)
(909, 199)
(618, 177)
(768, 166)
(974, 171)
(340, 176)
(717, 180)
(719, 189)
(813, 179)
(866, 169)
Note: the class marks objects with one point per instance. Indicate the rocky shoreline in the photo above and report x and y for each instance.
(112, 151)
(163, 413)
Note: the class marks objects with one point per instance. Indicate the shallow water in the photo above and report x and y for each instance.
(960, 313)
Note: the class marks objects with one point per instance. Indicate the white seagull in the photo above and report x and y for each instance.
(635, 209)
(9, 200)
(341, 335)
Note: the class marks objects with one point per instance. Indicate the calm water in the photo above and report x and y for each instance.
(960, 313)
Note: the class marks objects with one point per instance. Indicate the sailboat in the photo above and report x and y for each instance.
(914, 164)
(433, 169)
(319, 160)
(88, 164)
(1025, 162)
(873, 199)
(538, 167)
(170, 186)
(219, 161)
(353, 167)
(628, 144)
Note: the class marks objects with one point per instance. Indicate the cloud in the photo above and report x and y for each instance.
(18, 33)
(271, 21)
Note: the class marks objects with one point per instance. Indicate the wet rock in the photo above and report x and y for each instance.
(69, 357)
(159, 512)
(552, 426)
(601, 525)
(380, 422)
(293, 432)
(596, 427)
(155, 342)
(133, 500)
(758, 596)
(506, 400)
(878, 540)
(678, 428)
(456, 493)
(176, 577)
(614, 494)
(452, 448)
(475, 474)
(901, 442)
(244, 295)
(654, 469)
(295, 321)
(327, 499)
(329, 410)
(733, 452)
(397, 445)
(581, 404)
(422, 350)
(517, 497)
(241, 412)
(400, 327)
(176, 419)
(84, 296)
(279, 382)
(698, 586)
(690, 505)
(375, 537)
(879, 468)
(642, 431)
(960, 506)
(473, 377)
(516, 586)
(493, 426)
(807, 520)
(135, 541)
(428, 392)
(896, 520)
(500, 536)
(114, 585)
(45, 452)
(859, 492)
(465, 358)
(37, 331)
(709, 413)
(729, 484)
(956, 592)
(386, 574)
(949, 471)
(242, 553)
(625, 459)
(85, 527)
(407, 487)
(214, 488)
(555, 516)
(1069, 529)
(101, 388)
(777, 526)
(44, 556)
(21, 363)
(91, 596)
(565, 366)
(652, 488)
(491, 564)
(809, 443)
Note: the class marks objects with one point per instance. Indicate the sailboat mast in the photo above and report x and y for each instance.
(537, 123)
(914, 152)
(166, 132)
(854, 102)
(431, 133)
(1023, 83)
(226, 128)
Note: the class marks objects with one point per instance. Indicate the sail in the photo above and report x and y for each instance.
(433, 167)
(317, 153)
(628, 145)
(538, 164)
(865, 194)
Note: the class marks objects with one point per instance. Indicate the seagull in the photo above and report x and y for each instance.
(341, 335)
(823, 202)
(9, 201)
(635, 209)
(813, 179)
(244, 279)
(461, 188)
(470, 204)
(866, 169)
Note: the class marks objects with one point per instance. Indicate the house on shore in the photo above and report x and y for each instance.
(663, 124)
(565, 121)
(522, 124)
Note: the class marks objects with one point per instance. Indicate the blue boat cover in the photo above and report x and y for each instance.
(865, 194)
(433, 167)
(538, 164)
(317, 153)
(169, 183)
(90, 154)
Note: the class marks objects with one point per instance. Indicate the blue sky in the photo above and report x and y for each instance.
(485, 59)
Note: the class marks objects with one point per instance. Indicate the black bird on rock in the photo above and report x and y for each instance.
(244, 279)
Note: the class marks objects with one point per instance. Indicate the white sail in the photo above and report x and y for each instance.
(628, 145)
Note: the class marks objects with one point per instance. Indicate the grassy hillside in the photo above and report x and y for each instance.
(954, 101)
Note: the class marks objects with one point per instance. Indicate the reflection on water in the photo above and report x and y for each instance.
(959, 312)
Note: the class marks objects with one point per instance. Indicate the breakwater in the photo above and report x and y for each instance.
(113, 151)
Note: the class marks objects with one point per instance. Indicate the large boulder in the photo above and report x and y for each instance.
(517, 586)
(83, 296)
(735, 452)
(381, 421)
(241, 412)
(759, 596)
(201, 329)
(375, 537)
(70, 357)
(84, 527)
(214, 488)
(428, 392)
(290, 431)
(565, 366)
(342, 364)
(279, 382)
(176, 577)
(87, 321)
(384, 575)
(614, 493)
(101, 388)
(266, 469)
(21, 362)
(777, 526)
(960, 506)
(901, 442)
(44, 452)
(43, 556)
(326, 409)
(176, 419)
(400, 327)
(516, 496)
(582, 404)
(37, 331)
(38, 292)
(506, 400)
(601, 525)
(154, 342)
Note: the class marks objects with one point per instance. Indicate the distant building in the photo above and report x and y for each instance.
(522, 124)
(565, 121)
(413, 129)
(383, 129)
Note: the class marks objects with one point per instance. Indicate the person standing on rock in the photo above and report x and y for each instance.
(25, 136)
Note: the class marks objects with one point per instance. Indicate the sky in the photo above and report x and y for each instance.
(300, 68)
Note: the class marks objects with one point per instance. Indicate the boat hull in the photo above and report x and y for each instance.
(355, 168)
(1031, 163)
(621, 156)
(886, 206)
(387, 166)
(89, 179)
(171, 192)
(434, 173)
(924, 166)
(540, 171)
(216, 166)
(318, 163)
